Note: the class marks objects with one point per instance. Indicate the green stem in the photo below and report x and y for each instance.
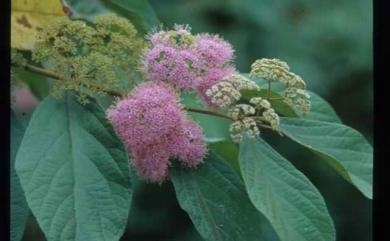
(276, 98)
(269, 89)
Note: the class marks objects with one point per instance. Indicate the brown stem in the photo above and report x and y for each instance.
(265, 126)
(50, 74)
(208, 112)
(259, 118)
(56, 76)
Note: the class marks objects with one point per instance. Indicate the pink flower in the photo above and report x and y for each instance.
(215, 51)
(152, 162)
(154, 93)
(188, 62)
(189, 146)
(175, 66)
(151, 112)
(155, 129)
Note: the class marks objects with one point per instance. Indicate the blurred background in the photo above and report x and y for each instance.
(328, 43)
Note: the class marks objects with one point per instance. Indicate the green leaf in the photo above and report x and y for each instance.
(139, 12)
(88, 9)
(342, 147)
(279, 105)
(75, 172)
(283, 194)
(215, 128)
(228, 151)
(19, 207)
(38, 84)
(321, 110)
(215, 199)
(142, 11)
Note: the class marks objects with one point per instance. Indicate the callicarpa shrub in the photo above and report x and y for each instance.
(172, 108)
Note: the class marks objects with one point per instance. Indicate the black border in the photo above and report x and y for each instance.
(381, 109)
(381, 120)
(5, 118)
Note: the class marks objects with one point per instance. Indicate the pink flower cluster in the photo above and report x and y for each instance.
(214, 51)
(155, 130)
(176, 66)
(186, 61)
(150, 121)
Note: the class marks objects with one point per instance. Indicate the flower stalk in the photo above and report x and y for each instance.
(269, 89)
(208, 112)
(50, 74)
(56, 76)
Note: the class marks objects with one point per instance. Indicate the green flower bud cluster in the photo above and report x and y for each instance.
(276, 70)
(227, 92)
(299, 98)
(259, 102)
(241, 110)
(95, 57)
(245, 124)
(249, 117)
(269, 115)
(223, 94)
(272, 117)
(269, 69)
(18, 58)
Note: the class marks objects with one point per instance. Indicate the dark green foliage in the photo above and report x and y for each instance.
(74, 172)
(216, 201)
(345, 149)
(284, 195)
(19, 208)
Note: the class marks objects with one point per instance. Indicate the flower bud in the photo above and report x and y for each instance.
(269, 69)
(241, 110)
(247, 125)
(272, 117)
(260, 103)
(297, 98)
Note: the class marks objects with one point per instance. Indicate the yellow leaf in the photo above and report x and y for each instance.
(29, 16)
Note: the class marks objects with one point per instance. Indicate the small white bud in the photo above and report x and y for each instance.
(297, 98)
(248, 125)
(269, 69)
